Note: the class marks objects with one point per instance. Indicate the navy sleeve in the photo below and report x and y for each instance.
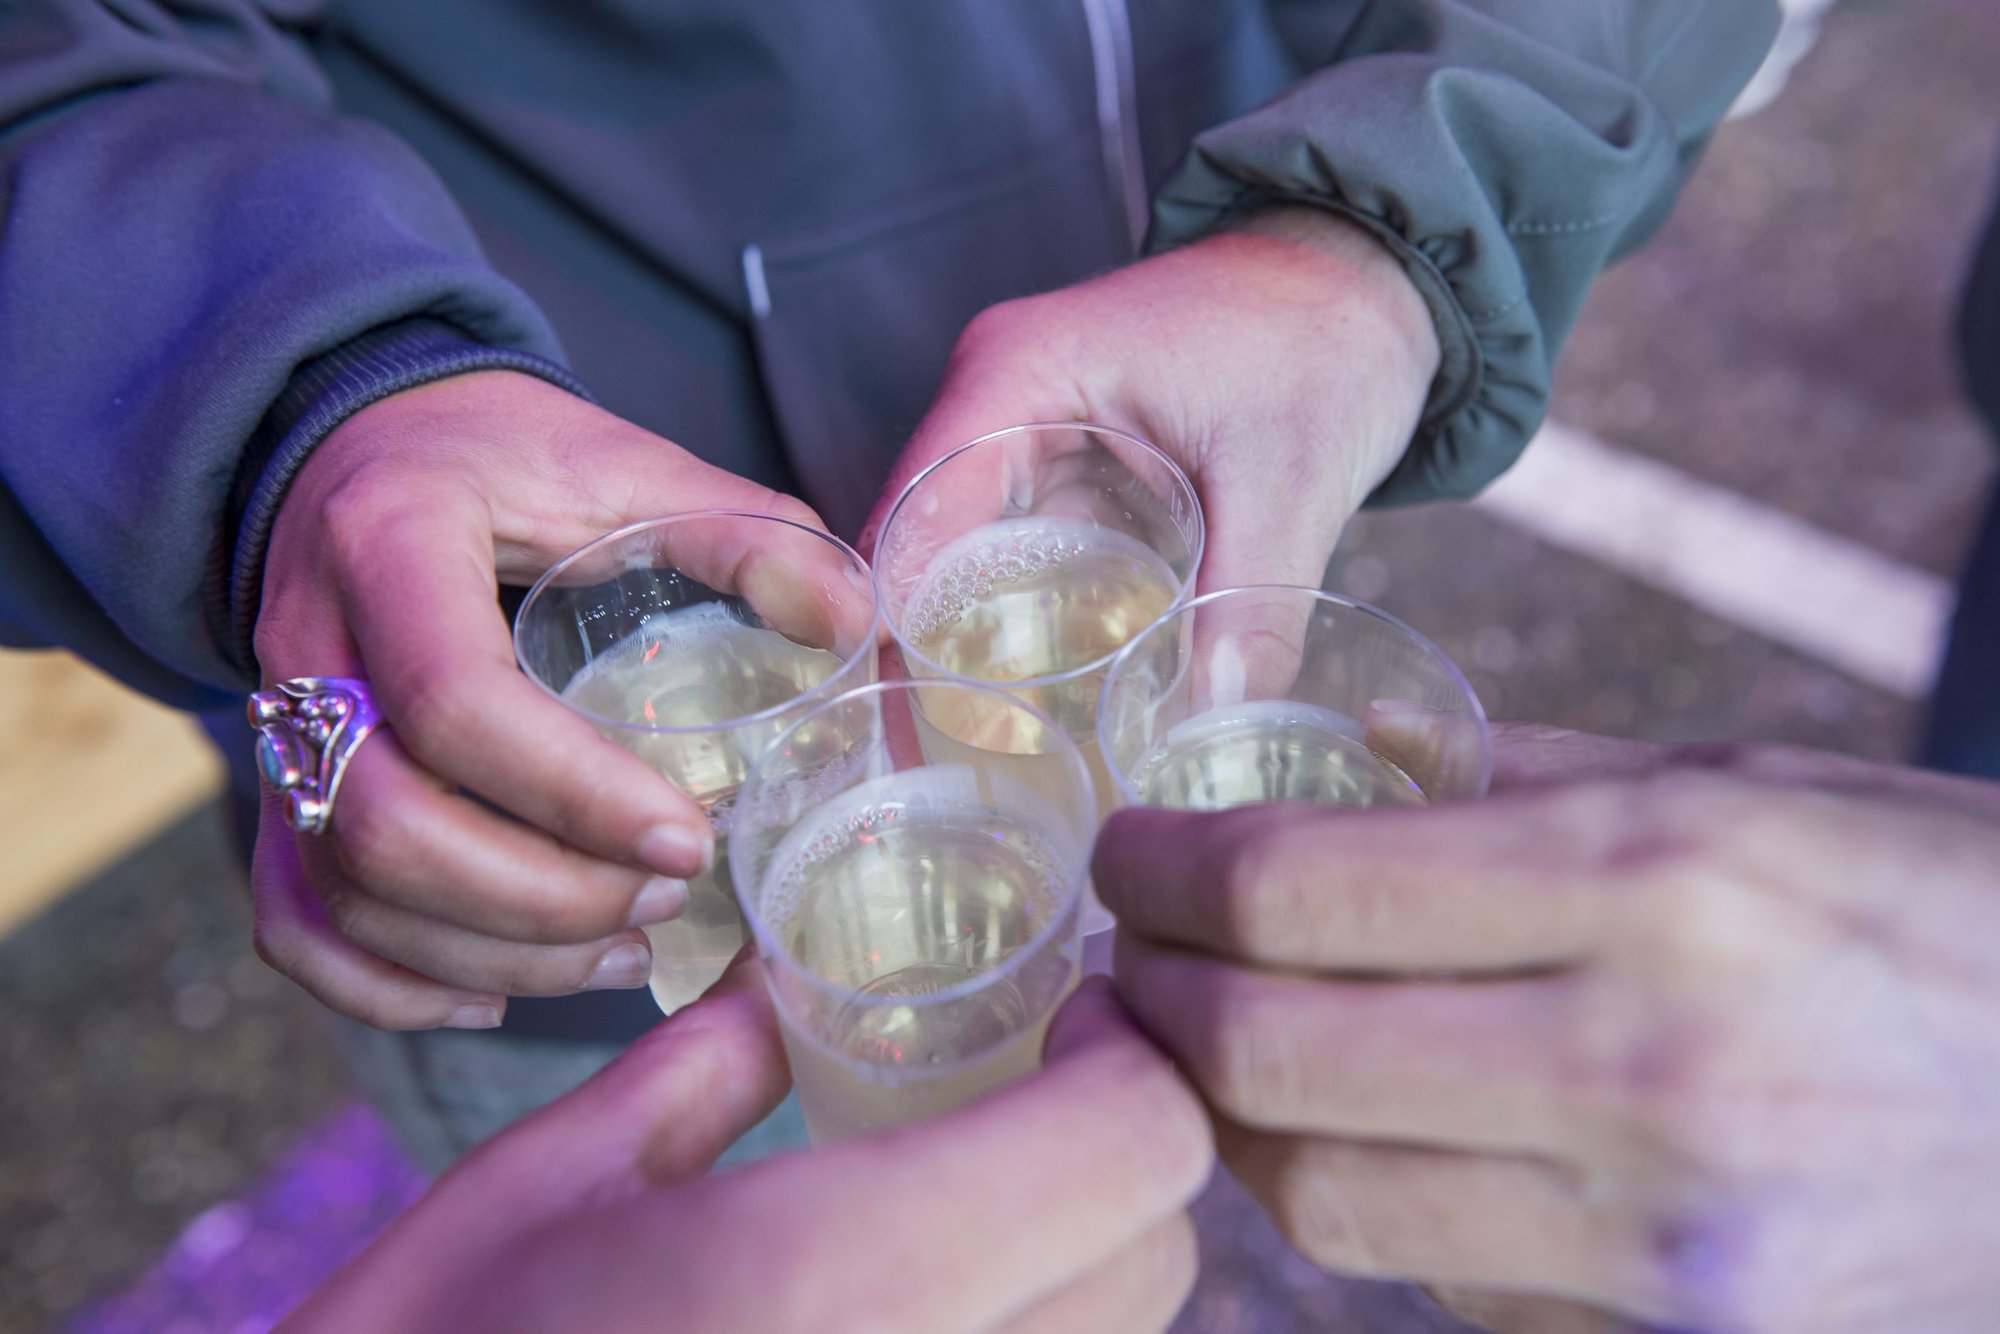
(202, 270)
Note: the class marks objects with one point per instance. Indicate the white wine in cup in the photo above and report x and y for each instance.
(1274, 693)
(916, 901)
(1026, 559)
(691, 641)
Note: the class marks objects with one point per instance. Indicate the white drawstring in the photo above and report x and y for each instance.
(1112, 67)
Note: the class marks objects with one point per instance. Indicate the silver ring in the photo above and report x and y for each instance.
(308, 728)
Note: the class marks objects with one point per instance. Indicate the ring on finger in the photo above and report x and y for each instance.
(308, 728)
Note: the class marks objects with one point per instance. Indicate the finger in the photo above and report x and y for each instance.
(780, 566)
(662, 1112)
(434, 853)
(675, 1099)
(461, 958)
(1485, 886)
(1375, 1210)
(1460, 1063)
(1249, 646)
(985, 1211)
(1527, 756)
(1141, 1288)
(419, 601)
(293, 936)
(1244, 546)
(607, 474)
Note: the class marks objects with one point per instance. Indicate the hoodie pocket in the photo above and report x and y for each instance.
(854, 325)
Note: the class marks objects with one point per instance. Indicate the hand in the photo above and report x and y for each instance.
(1055, 1204)
(423, 905)
(1283, 365)
(1702, 1035)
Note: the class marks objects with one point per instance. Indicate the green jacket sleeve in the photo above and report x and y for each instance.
(1506, 150)
(202, 270)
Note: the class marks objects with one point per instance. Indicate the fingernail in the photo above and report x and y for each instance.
(474, 1016)
(626, 965)
(1401, 708)
(671, 849)
(660, 899)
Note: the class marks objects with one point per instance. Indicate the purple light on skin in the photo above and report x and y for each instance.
(241, 1265)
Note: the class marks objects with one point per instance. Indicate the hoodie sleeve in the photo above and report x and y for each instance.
(1506, 151)
(202, 271)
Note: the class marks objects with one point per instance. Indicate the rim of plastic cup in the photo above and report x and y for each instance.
(848, 662)
(773, 951)
(1397, 623)
(1175, 474)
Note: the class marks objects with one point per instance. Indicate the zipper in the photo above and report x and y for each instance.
(1112, 71)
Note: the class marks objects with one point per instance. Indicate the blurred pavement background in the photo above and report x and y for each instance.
(1742, 528)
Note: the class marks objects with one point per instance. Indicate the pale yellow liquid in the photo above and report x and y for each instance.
(1272, 750)
(688, 668)
(1033, 597)
(897, 900)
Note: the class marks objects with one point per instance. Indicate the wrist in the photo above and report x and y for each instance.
(1364, 313)
(1364, 273)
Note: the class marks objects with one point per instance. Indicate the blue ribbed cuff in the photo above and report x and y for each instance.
(324, 393)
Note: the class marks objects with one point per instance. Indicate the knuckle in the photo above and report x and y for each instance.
(348, 914)
(269, 639)
(526, 972)
(549, 915)
(1012, 330)
(1649, 1074)
(1170, 1133)
(1258, 882)
(349, 513)
(1313, 1211)
(376, 843)
(581, 803)
(1672, 844)
(1255, 1068)
(431, 709)
(1674, 1096)
(1715, 757)
(1700, 804)
(1721, 1263)
(995, 326)
(376, 1010)
(783, 505)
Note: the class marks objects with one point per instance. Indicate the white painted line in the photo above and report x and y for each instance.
(1829, 598)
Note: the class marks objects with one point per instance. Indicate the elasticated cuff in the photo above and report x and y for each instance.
(1477, 416)
(324, 393)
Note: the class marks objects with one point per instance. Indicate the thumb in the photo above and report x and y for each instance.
(981, 395)
(680, 1095)
(1258, 535)
(664, 1110)
(593, 473)
(1093, 1022)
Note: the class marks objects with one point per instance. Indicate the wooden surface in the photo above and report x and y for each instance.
(88, 771)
